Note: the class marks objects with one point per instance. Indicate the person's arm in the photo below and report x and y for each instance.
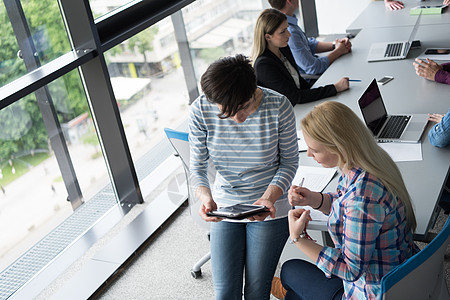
(362, 224)
(394, 5)
(298, 221)
(199, 156)
(446, 66)
(443, 75)
(300, 196)
(338, 48)
(301, 49)
(271, 75)
(288, 157)
(426, 68)
(287, 147)
(324, 46)
(439, 134)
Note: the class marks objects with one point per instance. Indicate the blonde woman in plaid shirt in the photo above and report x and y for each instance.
(371, 219)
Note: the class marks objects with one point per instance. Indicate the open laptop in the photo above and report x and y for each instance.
(406, 128)
(393, 50)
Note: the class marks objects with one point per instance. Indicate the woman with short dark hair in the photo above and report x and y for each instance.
(249, 133)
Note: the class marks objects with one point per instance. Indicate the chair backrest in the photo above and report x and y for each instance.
(180, 143)
(422, 276)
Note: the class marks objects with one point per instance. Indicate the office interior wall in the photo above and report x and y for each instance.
(336, 16)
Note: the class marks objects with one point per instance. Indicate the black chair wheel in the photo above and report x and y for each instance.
(196, 274)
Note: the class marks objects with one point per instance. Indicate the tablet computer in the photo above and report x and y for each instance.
(238, 211)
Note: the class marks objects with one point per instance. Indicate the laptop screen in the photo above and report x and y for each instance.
(372, 108)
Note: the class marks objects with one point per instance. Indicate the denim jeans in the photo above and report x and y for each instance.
(251, 246)
(306, 281)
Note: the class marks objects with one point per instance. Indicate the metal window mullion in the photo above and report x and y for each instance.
(45, 102)
(185, 55)
(83, 34)
(309, 17)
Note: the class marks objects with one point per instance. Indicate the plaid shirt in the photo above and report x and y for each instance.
(368, 227)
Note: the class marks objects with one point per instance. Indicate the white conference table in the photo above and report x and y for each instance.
(407, 93)
(376, 15)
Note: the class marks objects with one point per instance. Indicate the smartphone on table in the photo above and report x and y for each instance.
(385, 79)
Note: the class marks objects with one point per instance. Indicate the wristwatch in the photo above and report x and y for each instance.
(334, 45)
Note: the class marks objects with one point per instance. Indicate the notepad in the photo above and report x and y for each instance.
(427, 9)
(316, 178)
(403, 152)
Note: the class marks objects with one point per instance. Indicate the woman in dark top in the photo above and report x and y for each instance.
(275, 65)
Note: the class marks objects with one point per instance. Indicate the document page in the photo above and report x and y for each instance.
(403, 151)
(315, 179)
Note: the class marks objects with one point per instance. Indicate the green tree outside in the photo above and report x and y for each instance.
(21, 125)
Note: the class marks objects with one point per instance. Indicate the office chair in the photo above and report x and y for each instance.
(422, 276)
(180, 142)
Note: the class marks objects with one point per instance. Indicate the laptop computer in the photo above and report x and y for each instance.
(393, 50)
(407, 128)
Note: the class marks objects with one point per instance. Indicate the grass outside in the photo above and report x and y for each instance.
(21, 167)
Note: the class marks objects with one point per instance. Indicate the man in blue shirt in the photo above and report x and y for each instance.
(304, 49)
(439, 136)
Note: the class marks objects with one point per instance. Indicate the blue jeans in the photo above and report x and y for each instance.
(254, 247)
(305, 281)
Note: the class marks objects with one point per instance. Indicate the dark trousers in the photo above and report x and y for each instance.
(305, 281)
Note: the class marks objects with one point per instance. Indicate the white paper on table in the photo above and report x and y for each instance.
(403, 151)
(316, 215)
(301, 141)
(315, 179)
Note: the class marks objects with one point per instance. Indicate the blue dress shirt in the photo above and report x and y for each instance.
(439, 134)
(304, 50)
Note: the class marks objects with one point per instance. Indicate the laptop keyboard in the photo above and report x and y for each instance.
(394, 127)
(393, 50)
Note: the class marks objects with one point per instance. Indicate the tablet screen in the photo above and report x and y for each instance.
(238, 211)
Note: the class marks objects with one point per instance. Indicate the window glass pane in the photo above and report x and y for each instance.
(40, 36)
(36, 179)
(102, 7)
(149, 85)
(219, 28)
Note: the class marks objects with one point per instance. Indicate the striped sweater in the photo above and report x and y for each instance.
(248, 156)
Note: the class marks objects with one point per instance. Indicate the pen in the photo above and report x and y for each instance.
(300, 185)
(301, 182)
(355, 80)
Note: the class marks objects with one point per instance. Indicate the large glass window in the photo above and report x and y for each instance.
(34, 179)
(149, 85)
(102, 7)
(29, 36)
(219, 28)
(51, 160)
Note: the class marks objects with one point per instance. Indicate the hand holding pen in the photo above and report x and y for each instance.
(299, 195)
(300, 185)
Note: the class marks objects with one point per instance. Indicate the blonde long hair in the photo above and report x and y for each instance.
(268, 21)
(340, 130)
